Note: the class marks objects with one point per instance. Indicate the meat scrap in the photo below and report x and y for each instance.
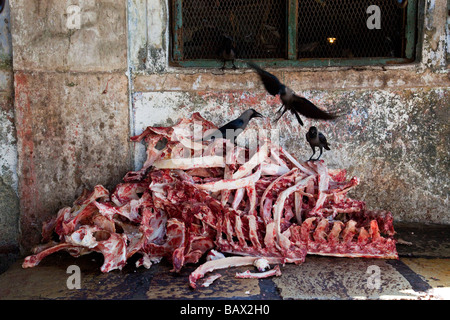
(208, 281)
(275, 272)
(192, 197)
(229, 262)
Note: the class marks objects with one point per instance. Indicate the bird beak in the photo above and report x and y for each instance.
(257, 114)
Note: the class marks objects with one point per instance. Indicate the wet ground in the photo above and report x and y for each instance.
(422, 272)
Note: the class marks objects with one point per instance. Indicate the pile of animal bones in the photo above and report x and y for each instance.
(196, 201)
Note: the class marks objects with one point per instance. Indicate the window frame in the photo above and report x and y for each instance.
(292, 30)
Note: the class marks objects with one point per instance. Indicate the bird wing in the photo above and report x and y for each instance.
(298, 117)
(271, 83)
(233, 124)
(222, 131)
(323, 141)
(322, 138)
(309, 109)
(307, 137)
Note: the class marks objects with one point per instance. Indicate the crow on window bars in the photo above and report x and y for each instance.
(291, 102)
(227, 51)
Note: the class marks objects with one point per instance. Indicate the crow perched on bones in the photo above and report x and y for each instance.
(292, 102)
(235, 127)
(316, 139)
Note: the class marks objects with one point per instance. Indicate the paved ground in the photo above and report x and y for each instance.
(422, 272)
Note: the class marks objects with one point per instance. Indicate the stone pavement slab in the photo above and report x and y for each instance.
(436, 272)
(343, 278)
(412, 277)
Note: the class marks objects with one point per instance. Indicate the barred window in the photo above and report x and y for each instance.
(294, 32)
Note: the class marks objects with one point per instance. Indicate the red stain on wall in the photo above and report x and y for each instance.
(249, 99)
(28, 188)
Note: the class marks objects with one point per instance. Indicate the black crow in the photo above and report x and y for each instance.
(233, 128)
(227, 51)
(291, 101)
(316, 139)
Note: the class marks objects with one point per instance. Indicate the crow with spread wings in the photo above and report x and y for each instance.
(291, 102)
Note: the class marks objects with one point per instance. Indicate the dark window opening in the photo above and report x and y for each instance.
(258, 28)
(338, 29)
(293, 32)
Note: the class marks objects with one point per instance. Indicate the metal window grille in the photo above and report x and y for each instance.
(292, 32)
(338, 29)
(258, 28)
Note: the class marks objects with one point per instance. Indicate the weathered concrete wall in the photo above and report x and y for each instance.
(71, 103)
(71, 87)
(394, 134)
(9, 201)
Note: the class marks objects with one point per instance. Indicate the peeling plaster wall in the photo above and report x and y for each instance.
(71, 104)
(435, 37)
(9, 201)
(394, 134)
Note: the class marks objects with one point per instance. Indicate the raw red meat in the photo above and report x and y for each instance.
(191, 197)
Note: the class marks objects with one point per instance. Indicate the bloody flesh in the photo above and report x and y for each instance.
(191, 197)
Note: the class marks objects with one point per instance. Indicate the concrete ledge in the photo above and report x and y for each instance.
(321, 79)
